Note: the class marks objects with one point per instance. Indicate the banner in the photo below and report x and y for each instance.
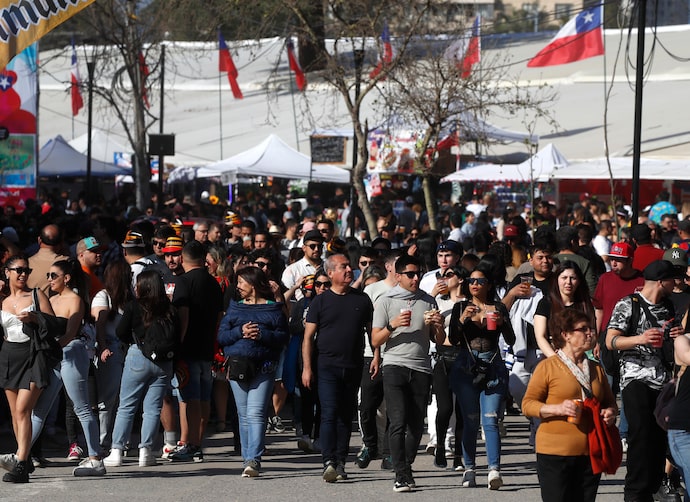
(22, 22)
(18, 107)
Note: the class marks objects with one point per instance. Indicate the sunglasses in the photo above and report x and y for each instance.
(22, 270)
(482, 281)
(319, 284)
(160, 244)
(323, 230)
(261, 264)
(449, 274)
(313, 246)
(52, 275)
(411, 274)
(365, 263)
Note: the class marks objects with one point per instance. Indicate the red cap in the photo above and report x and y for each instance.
(621, 250)
(511, 231)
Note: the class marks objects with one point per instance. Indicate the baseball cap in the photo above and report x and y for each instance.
(313, 235)
(133, 240)
(676, 257)
(511, 231)
(173, 245)
(450, 245)
(88, 244)
(660, 270)
(621, 250)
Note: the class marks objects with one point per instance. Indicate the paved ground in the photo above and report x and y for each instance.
(289, 475)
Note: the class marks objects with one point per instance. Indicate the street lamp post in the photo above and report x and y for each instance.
(90, 66)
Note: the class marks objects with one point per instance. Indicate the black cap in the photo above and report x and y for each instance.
(313, 235)
(660, 270)
(450, 245)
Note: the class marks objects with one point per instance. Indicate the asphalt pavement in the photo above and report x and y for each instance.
(288, 475)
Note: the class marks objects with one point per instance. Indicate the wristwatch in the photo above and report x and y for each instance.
(389, 327)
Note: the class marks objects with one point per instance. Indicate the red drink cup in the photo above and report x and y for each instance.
(491, 320)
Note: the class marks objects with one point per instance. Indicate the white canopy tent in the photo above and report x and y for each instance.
(539, 167)
(58, 158)
(621, 167)
(103, 145)
(274, 157)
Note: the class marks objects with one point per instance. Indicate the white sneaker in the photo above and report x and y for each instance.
(624, 445)
(469, 478)
(431, 449)
(8, 461)
(89, 467)
(168, 449)
(495, 479)
(146, 458)
(114, 459)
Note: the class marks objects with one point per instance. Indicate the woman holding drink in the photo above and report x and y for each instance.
(555, 394)
(478, 376)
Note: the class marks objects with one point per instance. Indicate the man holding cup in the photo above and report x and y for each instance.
(406, 319)
(644, 369)
(448, 254)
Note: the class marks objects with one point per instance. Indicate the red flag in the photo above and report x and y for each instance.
(466, 51)
(580, 38)
(300, 77)
(144, 73)
(226, 64)
(387, 53)
(75, 91)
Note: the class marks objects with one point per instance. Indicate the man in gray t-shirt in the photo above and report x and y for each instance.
(406, 319)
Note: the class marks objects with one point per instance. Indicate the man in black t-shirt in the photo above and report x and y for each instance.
(341, 316)
(199, 300)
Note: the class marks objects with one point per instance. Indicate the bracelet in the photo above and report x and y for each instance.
(613, 342)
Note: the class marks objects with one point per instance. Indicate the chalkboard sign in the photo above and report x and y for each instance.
(328, 149)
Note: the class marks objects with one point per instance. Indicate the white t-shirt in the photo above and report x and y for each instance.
(102, 300)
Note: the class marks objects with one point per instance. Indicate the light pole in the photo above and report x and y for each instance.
(90, 66)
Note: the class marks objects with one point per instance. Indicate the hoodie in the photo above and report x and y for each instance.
(408, 346)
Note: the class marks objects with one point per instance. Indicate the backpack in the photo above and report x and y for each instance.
(161, 341)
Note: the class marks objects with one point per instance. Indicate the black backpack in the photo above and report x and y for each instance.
(161, 341)
(609, 357)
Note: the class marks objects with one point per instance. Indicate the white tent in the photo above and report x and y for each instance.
(539, 167)
(621, 167)
(58, 158)
(273, 157)
(103, 145)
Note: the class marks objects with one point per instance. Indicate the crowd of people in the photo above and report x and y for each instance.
(498, 310)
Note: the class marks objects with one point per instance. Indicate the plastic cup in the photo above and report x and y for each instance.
(408, 313)
(657, 343)
(492, 320)
(579, 404)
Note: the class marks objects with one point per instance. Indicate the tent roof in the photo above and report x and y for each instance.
(621, 167)
(58, 158)
(541, 166)
(274, 157)
(103, 145)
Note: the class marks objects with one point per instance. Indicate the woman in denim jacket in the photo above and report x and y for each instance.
(253, 333)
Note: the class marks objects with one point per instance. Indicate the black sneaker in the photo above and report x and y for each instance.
(364, 458)
(277, 424)
(440, 459)
(198, 455)
(409, 479)
(340, 474)
(401, 485)
(19, 474)
(387, 463)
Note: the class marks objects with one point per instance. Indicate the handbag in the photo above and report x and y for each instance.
(240, 369)
(665, 399)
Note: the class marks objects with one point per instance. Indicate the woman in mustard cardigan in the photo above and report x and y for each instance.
(558, 383)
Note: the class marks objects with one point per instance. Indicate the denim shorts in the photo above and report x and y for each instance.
(194, 380)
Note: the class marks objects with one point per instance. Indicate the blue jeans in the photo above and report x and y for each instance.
(108, 377)
(337, 389)
(145, 380)
(679, 444)
(252, 404)
(475, 402)
(406, 393)
(73, 372)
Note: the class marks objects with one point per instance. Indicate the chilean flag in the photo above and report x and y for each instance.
(387, 52)
(580, 38)
(75, 91)
(300, 78)
(473, 52)
(225, 64)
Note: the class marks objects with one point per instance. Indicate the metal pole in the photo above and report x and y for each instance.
(161, 162)
(359, 61)
(637, 130)
(90, 66)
